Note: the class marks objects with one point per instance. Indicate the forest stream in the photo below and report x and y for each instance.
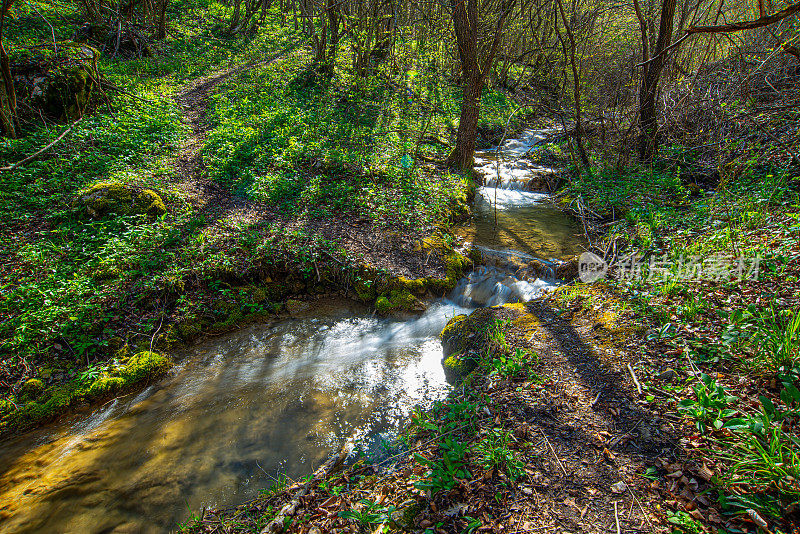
(272, 399)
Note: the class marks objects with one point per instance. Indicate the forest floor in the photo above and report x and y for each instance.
(602, 407)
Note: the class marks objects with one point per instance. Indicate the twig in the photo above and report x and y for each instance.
(554, 452)
(616, 516)
(644, 514)
(635, 380)
(41, 150)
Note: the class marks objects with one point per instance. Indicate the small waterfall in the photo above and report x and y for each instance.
(490, 286)
(507, 167)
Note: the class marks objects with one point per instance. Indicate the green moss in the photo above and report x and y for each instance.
(398, 301)
(52, 402)
(404, 518)
(467, 332)
(150, 203)
(145, 365)
(417, 286)
(70, 91)
(456, 366)
(6, 407)
(31, 389)
(232, 320)
(114, 197)
(105, 385)
(190, 327)
(455, 264)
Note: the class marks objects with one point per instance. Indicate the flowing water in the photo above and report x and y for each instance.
(270, 399)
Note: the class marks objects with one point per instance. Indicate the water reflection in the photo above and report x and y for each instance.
(238, 410)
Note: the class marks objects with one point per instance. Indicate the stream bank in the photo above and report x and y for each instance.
(393, 365)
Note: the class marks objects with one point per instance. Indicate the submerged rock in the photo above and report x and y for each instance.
(114, 197)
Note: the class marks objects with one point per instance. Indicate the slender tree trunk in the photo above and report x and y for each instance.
(648, 93)
(462, 157)
(576, 89)
(161, 27)
(8, 95)
(465, 22)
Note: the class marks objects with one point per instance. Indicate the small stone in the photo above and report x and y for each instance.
(619, 487)
(668, 375)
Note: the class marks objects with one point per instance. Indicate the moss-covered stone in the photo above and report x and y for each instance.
(417, 286)
(50, 403)
(68, 91)
(113, 197)
(6, 407)
(144, 365)
(404, 518)
(105, 385)
(189, 327)
(31, 389)
(398, 301)
(457, 367)
(467, 332)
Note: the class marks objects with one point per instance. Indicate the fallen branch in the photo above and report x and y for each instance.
(554, 452)
(635, 380)
(42, 150)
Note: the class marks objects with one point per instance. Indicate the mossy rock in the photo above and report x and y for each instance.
(50, 403)
(457, 367)
(105, 385)
(144, 365)
(189, 327)
(398, 300)
(465, 333)
(417, 286)
(114, 197)
(6, 407)
(31, 389)
(58, 85)
(455, 265)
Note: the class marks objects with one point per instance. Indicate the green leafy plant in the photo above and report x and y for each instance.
(710, 405)
(494, 453)
(511, 365)
(443, 474)
(368, 514)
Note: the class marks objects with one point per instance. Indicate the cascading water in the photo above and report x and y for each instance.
(270, 398)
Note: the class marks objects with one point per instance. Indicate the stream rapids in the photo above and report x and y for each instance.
(275, 399)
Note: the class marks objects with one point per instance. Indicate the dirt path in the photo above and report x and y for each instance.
(202, 193)
(225, 212)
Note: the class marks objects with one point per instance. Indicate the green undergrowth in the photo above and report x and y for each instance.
(37, 403)
(717, 281)
(85, 274)
(345, 145)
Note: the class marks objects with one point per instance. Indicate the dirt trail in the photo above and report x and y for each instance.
(225, 212)
(201, 192)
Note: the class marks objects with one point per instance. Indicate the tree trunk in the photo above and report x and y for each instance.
(462, 156)
(8, 95)
(161, 28)
(576, 88)
(475, 63)
(465, 23)
(648, 93)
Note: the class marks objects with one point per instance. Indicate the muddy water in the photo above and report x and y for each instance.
(271, 399)
(239, 410)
